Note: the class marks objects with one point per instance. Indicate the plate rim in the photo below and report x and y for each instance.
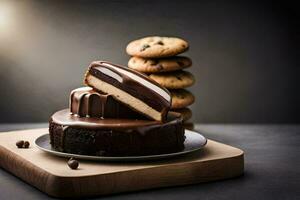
(122, 158)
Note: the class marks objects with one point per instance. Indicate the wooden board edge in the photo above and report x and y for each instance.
(172, 175)
(128, 181)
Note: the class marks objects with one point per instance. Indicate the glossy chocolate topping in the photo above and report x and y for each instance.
(85, 102)
(134, 83)
(63, 117)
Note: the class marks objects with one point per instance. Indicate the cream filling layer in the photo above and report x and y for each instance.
(124, 97)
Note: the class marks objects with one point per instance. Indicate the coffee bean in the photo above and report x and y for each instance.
(73, 164)
(20, 143)
(26, 144)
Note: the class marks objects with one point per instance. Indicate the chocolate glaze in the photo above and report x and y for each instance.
(64, 118)
(115, 137)
(85, 102)
(145, 89)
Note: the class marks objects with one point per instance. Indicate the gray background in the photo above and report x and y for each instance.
(244, 54)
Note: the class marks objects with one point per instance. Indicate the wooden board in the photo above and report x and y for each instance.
(51, 174)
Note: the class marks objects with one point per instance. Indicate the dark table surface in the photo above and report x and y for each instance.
(272, 167)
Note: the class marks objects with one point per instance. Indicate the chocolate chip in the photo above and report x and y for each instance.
(180, 63)
(144, 47)
(20, 143)
(160, 43)
(73, 164)
(154, 62)
(178, 78)
(26, 144)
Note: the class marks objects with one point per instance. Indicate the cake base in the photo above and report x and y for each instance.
(115, 137)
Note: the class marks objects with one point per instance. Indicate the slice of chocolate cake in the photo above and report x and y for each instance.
(131, 88)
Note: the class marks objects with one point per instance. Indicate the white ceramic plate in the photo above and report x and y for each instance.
(194, 141)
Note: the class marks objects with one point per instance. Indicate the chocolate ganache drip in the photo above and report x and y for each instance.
(85, 102)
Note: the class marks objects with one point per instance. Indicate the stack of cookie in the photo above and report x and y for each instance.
(158, 58)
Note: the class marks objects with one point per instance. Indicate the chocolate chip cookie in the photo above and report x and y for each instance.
(148, 65)
(157, 47)
(181, 98)
(174, 80)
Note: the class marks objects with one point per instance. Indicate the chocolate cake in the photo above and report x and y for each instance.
(123, 113)
(130, 87)
(115, 137)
